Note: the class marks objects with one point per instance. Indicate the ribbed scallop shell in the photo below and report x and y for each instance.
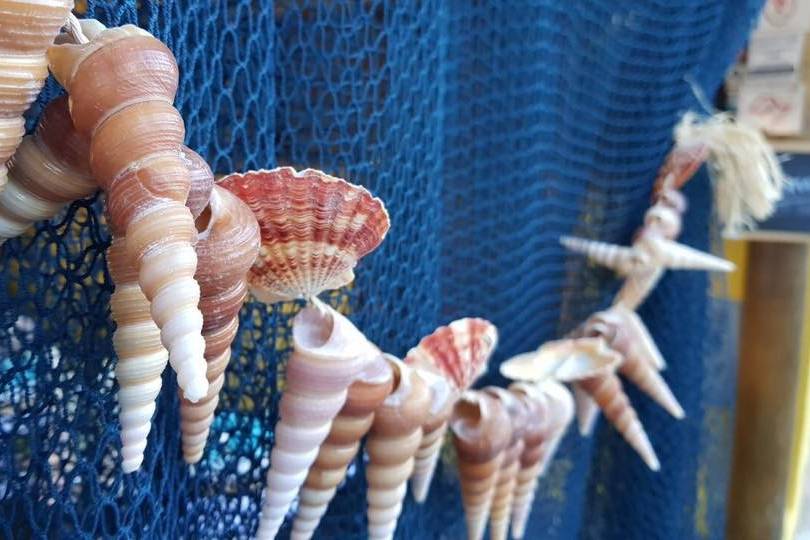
(460, 351)
(314, 227)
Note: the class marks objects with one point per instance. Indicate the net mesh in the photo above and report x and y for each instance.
(489, 130)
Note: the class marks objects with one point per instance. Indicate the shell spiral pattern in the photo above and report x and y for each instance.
(328, 355)
(314, 228)
(141, 356)
(226, 248)
(551, 409)
(353, 422)
(50, 169)
(121, 86)
(391, 445)
(27, 29)
(481, 432)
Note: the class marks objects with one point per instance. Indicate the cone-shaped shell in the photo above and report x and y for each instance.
(481, 432)
(51, 168)
(564, 360)
(314, 227)
(365, 395)
(587, 411)
(622, 260)
(670, 254)
(503, 497)
(141, 356)
(550, 410)
(680, 166)
(608, 394)
(663, 220)
(637, 287)
(391, 446)
(442, 398)
(328, 354)
(459, 351)
(227, 246)
(27, 28)
(121, 87)
(627, 335)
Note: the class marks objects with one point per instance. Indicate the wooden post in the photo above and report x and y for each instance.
(770, 358)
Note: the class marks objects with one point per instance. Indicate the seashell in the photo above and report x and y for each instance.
(365, 395)
(587, 411)
(481, 432)
(503, 497)
(27, 29)
(442, 398)
(627, 335)
(202, 182)
(314, 227)
(391, 446)
(663, 220)
(637, 287)
(680, 166)
(670, 254)
(226, 248)
(459, 351)
(563, 360)
(121, 86)
(607, 392)
(672, 199)
(622, 260)
(551, 409)
(328, 355)
(50, 169)
(141, 356)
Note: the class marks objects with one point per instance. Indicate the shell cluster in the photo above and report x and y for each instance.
(186, 252)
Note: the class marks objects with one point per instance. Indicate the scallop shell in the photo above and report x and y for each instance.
(314, 228)
(563, 360)
(459, 351)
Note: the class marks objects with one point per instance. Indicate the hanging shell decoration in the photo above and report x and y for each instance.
(121, 85)
(50, 169)
(550, 411)
(314, 227)
(503, 498)
(458, 354)
(482, 431)
(227, 245)
(141, 356)
(391, 446)
(352, 423)
(27, 29)
(329, 353)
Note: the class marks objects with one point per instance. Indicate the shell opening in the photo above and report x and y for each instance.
(314, 328)
(203, 221)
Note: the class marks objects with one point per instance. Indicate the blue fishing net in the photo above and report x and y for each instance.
(490, 129)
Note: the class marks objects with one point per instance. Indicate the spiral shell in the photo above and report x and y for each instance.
(442, 398)
(459, 351)
(391, 446)
(141, 356)
(551, 409)
(503, 497)
(27, 28)
(365, 395)
(226, 249)
(50, 169)
(563, 360)
(607, 392)
(481, 430)
(202, 183)
(328, 354)
(679, 167)
(662, 251)
(622, 260)
(315, 228)
(121, 86)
